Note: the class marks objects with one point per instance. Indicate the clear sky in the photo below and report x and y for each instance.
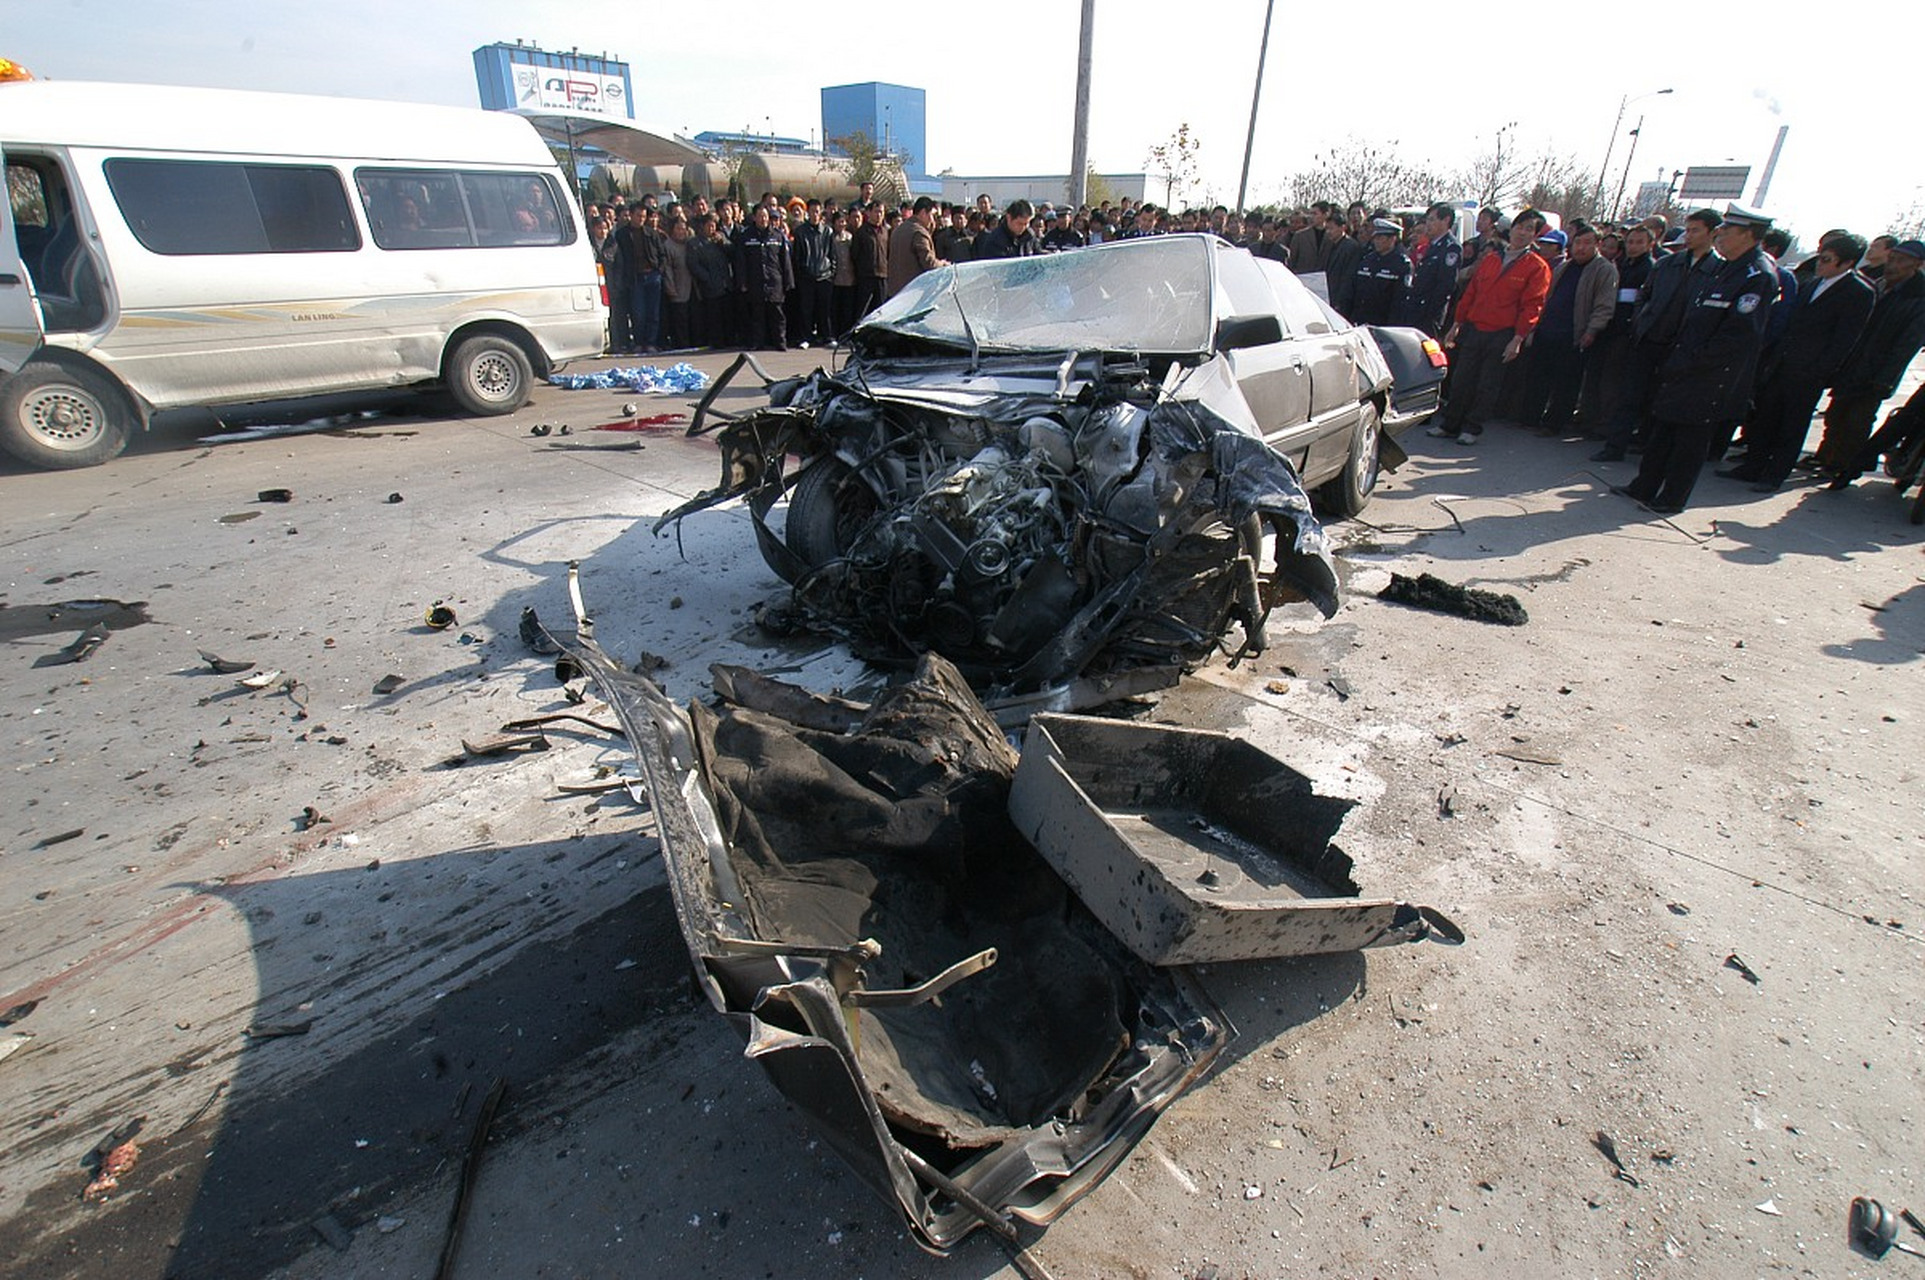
(1001, 80)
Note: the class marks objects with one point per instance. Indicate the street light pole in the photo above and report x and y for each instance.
(1625, 178)
(1079, 132)
(1605, 168)
(1250, 139)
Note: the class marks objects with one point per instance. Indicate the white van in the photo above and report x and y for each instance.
(162, 247)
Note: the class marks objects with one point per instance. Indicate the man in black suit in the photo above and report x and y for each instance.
(1832, 309)
(1872, 372)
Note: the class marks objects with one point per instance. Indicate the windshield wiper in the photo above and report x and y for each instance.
(969, 331)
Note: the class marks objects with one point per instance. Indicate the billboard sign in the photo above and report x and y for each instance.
(1715, 182)
(549, 88)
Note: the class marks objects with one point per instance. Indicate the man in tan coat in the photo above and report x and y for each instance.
(912, 246)
(1582, 300)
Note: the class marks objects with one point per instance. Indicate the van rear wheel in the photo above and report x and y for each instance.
(489, 375)
(59, 417)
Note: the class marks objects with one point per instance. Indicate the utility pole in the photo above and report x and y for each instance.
(1771, 165)
(1079, 137)
(1256, 94)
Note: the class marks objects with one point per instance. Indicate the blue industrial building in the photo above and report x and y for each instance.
(517, 76)
(893, 115)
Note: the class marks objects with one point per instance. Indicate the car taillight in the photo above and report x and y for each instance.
(601, 280)
(1438, 359)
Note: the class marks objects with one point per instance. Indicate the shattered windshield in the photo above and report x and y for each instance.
(1135, 295)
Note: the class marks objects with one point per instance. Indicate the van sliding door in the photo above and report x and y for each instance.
(19, 316)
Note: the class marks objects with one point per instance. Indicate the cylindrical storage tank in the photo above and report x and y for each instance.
(791, 175)
(658, 180)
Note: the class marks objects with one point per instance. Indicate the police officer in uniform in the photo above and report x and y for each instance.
(1383, 275)
(1706, 379)
(1426, 302)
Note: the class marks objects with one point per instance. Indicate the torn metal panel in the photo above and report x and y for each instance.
(1194, 847)
(1043, 470)
(831, 885)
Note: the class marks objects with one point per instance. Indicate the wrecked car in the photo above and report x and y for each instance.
(862, 900)
(1050, 467)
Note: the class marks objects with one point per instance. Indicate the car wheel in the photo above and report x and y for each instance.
(489, 375)
(59, 417)
(825, 514)
(1347, 493)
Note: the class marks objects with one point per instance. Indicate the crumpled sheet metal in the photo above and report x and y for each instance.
(1029, 1080)
(1035, 535)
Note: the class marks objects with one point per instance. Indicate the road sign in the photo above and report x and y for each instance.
(1715, 182)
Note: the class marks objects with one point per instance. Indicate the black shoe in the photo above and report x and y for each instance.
(1840, 481)
(1765, 486)
(1737, 473)
(1627, 491)
(1807, 463)
(1608, 454)
(1667, 509)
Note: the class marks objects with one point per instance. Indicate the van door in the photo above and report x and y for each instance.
(23, 224)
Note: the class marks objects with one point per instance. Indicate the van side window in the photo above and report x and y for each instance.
(447, 209)
(209, 207)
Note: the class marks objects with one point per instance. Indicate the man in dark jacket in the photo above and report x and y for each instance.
(1892, 337)
(1012, 237)
(1670, 290)
(711, 273)
(1342, 253)
(1382, 276)
(1433, 278)
(1707, 377)
(765, 272)
(1607, 370)
(813, 262)
(870, 251)
(1824, 327)
(1579, 306)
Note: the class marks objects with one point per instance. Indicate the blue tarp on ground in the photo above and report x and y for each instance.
(676, 379)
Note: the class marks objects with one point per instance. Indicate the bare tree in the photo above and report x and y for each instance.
(1371, 172)
(1496, 177)
(1908, 223)
(1177, 158)
(1562, 185)
(858, 158)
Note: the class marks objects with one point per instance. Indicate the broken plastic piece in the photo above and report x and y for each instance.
(388, 684)
(81, 649)
(278, 1030)
(1875, 1228)
(504, 744)
(1744, 970)
(440, 616)
(225, 666)
(274, 495)
(394, 498)
(260, 679)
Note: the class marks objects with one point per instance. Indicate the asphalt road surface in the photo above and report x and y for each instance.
(276, 927)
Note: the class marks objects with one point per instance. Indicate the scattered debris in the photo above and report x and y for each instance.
(467, 637)
(503, 744)
(1427, 591)
(751, 689)
(13, 1043)
(630, 408)
(81, 648)
(260, 679)
(649, 425)
(1770, 1207)
(1677, 908)
(310, 818)
(329, 1228)
(225, 666)
(115, 1155)
(554, 717)
(1609, 1150)
(470, 1167)
(274, 495)
(533, 635)
(540, 429)
(440, 616)
(278, 1030)
(1875, 1229)
(388, 684)
(239, 517)
(1744, 970)
(1447, 801)
(647, 663)
(18, 1012)
(1276, 687)
(1339, 686)
(1911, 1220)
(1527, 756)
(387, 1224)
(394, 498)
(48, 842)
(1451, 739)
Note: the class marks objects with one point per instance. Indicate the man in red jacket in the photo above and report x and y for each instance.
(1499, 309)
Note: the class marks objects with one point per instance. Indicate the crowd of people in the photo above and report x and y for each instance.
(1684, 344)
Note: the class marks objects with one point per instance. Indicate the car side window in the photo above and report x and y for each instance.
(1301, 311)
(178, 207)
(1242, 288)
(461, 209)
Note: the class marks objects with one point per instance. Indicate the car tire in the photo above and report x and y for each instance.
(1348, 493)
(61, 417)
(489, 375)
(825, 514)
